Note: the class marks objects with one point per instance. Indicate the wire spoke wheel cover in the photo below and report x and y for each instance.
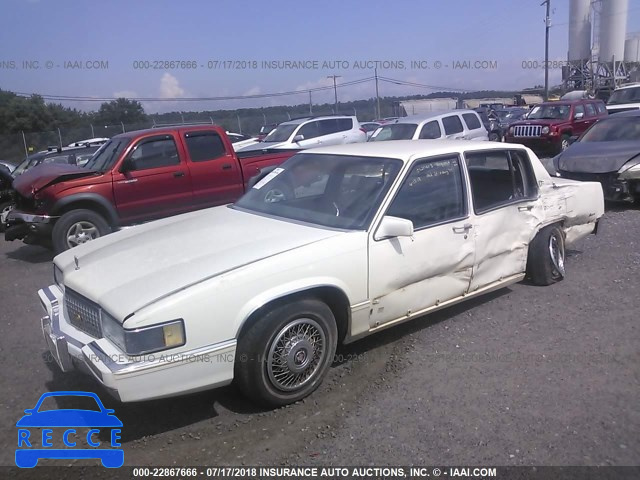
(296, 354)
(556, 251)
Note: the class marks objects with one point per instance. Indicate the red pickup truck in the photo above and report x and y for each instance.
(135, 177)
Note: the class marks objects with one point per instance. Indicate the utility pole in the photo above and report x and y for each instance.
(546, 48)
(310, 104)
(377, 95)
(335, 89)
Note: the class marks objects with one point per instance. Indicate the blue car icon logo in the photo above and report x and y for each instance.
(37, 439)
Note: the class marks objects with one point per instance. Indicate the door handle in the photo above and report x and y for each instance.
(226, 166)
(528, 208)
(463, 229)
(178, 174)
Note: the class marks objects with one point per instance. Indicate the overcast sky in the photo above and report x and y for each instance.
(124, 35)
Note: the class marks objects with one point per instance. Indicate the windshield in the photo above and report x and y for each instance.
(281, 133)
(27, 163)
(107, 154)
(549, 112)
(337, 191)
(626, 95)
(614, 129)
(397, 131)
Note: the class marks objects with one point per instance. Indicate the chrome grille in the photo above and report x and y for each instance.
(527, 130)
(82, 313)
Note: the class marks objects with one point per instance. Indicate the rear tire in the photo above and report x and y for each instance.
(77, 227)
(546, 258)
(284, 355)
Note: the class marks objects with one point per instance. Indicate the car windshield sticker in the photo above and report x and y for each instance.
(268, 178)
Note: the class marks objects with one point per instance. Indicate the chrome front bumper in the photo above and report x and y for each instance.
(130, 379)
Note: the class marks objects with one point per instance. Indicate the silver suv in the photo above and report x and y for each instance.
(309, 132)
(453, 124)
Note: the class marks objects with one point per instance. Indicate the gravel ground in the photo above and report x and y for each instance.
(524, 376)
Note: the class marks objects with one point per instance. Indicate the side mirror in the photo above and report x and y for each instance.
(298, 138)
(573, 139)
(392, 227)
(578, 116)
(127, 165)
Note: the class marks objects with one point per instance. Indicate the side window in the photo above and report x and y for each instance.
(578, 109)
(433, 192)
(499, 177)
(309, 130)
(345, 124)
(601, 108)
(328, 127)
(431, 130)
(471, 120)
(155, 152)
(591, 109)
(203, 146)
(452, 125)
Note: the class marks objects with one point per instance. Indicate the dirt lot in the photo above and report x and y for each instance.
(525, 376)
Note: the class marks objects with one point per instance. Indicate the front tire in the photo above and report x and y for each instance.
(564, 143)
(546, 259)
(5, 208)
(77, 227)
(284, 355)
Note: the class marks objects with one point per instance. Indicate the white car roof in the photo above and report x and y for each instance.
(429, 116)
(298, 121)
(406, 150)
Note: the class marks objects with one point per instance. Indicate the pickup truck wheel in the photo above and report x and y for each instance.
(5, 208)
(77, 227)
(285, 355)
(545, 262)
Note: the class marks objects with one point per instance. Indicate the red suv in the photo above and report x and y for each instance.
(550, 125)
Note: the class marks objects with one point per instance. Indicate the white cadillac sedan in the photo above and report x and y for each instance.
(338, 243)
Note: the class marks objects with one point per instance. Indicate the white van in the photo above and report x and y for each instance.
(453, 124)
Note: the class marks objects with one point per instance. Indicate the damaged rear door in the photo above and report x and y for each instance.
(407, 275)
(504, 192)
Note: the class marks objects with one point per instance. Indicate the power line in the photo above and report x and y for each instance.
(197, 99)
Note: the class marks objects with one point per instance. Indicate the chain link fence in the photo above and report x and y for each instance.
(15, 146)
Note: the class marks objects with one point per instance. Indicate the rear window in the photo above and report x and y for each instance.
(452, 125)
(471, 120)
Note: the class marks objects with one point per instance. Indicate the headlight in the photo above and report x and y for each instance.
(510, 129)
(58, 277)
(630, 168)
(545, 130)
(144, 339)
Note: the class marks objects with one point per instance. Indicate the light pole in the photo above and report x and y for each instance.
(547, 22)
(377, 95)
(335, 89)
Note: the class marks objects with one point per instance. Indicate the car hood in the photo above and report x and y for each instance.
(41, 176)
(130, 269)
(597, 157)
